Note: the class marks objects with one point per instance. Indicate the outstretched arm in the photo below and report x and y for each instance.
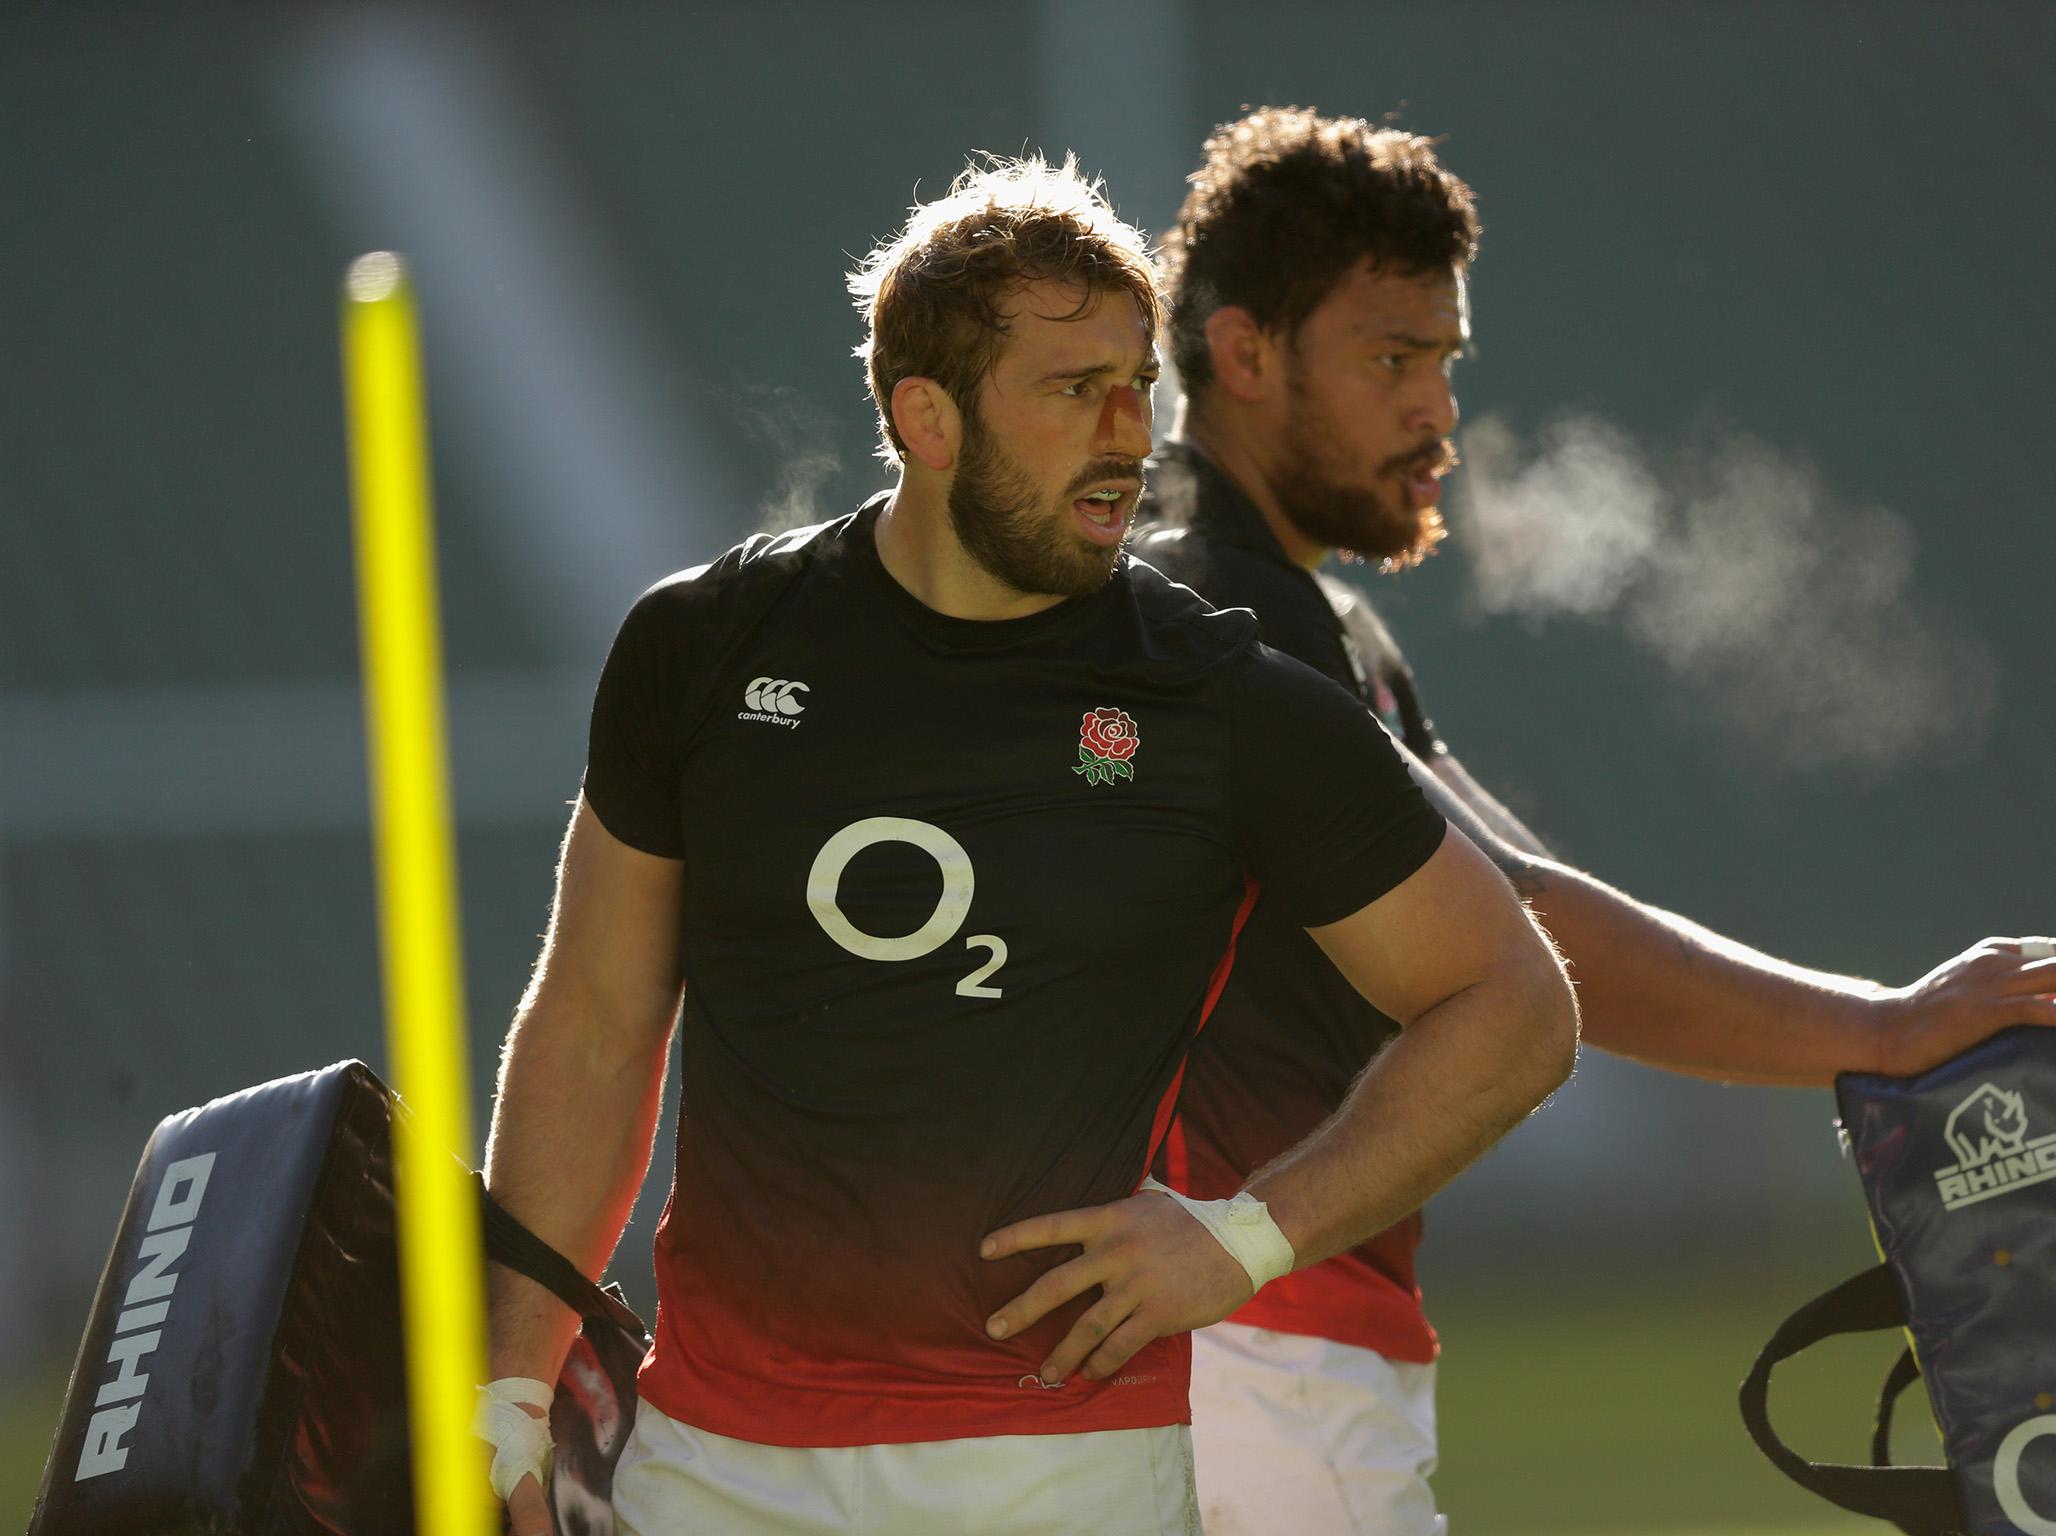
(1664, 990)
(1491, 1030)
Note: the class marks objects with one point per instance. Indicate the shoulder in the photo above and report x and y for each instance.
(762, 559)
(1294, 613)
(1270, 672)
(743, 581)
(1223, 573)
(677, 635)
(1178, 617)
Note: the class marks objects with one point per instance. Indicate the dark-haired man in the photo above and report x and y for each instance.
(1316, 280)
(950, 814)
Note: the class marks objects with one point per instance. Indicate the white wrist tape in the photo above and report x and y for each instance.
(521, 1443)
(1244, 1227)
(2037, 949)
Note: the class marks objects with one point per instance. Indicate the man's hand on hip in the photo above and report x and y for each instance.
(1158, 1270)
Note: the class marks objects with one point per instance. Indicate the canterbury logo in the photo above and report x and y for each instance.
(774, 696)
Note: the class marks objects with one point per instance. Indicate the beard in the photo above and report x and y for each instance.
(995, 511)
(1359, 519)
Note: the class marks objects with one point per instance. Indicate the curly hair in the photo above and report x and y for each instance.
(1285, 202)
(932, 296)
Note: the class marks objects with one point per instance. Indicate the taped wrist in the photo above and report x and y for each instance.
(1244, 1227)
(521, 1443)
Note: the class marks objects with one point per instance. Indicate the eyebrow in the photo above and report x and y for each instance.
(1424, 343)
(1150, 365)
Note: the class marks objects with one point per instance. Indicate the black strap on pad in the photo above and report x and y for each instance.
(594, 1409)
(1921, 1501)
(510, 1243)
(1904, 1373)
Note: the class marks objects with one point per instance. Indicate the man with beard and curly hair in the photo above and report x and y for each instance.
(1317, 283)
(932, 828)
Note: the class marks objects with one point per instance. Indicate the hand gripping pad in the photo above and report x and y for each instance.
(242, 1367)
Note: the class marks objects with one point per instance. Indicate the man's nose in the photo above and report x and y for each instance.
(1435, 413)
(1124, 422)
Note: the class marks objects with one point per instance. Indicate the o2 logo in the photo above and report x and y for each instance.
(2006, 1476)
(824, 884)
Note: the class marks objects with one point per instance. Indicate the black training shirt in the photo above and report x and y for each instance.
(956, 896)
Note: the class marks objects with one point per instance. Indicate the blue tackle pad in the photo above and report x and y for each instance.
(1958, 1168)
(243, 1370)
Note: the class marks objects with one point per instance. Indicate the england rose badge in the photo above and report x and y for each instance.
(1106, 742)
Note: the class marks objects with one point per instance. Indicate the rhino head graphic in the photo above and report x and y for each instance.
(1990, 1123)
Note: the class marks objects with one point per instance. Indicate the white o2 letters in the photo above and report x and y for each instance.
(2006, 1476)
(824, 883)
(973, 985)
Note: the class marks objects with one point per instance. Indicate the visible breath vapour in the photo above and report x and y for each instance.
(797, 433)
(1788, 614)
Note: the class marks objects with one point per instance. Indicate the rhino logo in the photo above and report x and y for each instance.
(1990, 1123)
(1988, 1134)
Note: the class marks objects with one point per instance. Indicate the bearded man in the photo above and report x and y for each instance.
(1317, 283)
(932, 828)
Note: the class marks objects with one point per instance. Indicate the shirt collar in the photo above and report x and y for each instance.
(1194, 492)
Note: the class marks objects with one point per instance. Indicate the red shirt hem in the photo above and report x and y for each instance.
(1351, 1305)
(839, 1417)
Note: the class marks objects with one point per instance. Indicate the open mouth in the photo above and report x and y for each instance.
(1423, 476)
(1104, 513)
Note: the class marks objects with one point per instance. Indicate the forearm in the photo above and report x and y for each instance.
(1452, 1083)
(572, 1130)
(1663, 990)
(1660, 988)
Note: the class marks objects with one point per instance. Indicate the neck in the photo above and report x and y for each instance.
(919, 550)
(1235, 446)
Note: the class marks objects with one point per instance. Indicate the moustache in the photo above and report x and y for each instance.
(1437, 459)
(1102, 470)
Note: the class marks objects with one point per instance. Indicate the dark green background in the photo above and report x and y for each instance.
(1826, 227)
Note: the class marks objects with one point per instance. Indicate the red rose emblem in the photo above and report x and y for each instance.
(1110, 733)
(1106, 741)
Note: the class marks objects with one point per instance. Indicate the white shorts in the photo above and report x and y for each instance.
(1307, 1436)
(675, 1480)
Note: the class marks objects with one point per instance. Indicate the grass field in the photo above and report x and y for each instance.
(28, 1418)
(1559, 1415)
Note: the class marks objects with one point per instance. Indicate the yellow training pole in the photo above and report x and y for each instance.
(441, 1266)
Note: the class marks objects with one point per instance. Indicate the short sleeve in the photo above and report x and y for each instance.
(1326, 816)
(631, 766)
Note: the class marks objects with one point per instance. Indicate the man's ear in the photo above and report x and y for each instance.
(928, 422)
(1245, 356)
